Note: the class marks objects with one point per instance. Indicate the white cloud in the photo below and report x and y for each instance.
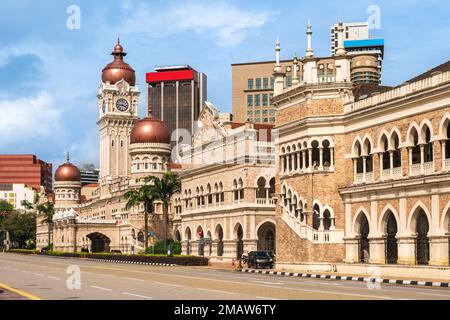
(27, 119)
(224, 23)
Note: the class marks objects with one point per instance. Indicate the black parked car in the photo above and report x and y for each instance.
(260, 259)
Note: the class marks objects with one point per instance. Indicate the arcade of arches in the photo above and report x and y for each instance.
(215, 244)
(421, 237)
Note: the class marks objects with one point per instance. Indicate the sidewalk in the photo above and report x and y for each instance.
(444, 283)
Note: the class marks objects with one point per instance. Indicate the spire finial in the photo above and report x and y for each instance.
(68, 156)
(277, 68)
(340, 50)
(118, 38)
(309, 50)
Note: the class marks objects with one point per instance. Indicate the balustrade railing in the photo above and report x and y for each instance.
(428, 167)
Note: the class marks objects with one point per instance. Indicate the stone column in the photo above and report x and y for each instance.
(310, 167)
(410, 160)
(321, 223)
(282, 164)
(364, 168)
(351, 250)
(304, 159)
(443, 143)
(439, 250)
(355, 169)
(376, 248)
(391, 163)
(422, 158)
(406, 250)
(320, 158)
(299, 154)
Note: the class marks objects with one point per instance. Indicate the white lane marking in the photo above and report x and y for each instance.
(267, 282)
(38, 274)
(329, 283)
(54, 278)
(136, 295)
(101, 288)
(169, 284)
(216, 291)
(267, 298)
(133, 279)
(108, 275)
(228, 281)
(24, 271)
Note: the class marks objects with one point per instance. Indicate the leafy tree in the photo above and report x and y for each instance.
(163, 189)
(21, 228)
(143, 195)
(48, 210)
(5, 209)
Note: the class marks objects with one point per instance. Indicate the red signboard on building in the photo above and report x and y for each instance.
(166, 76)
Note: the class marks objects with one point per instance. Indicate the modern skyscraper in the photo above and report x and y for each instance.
(26, 169)
(175, 96)
(252, 90)
(352, 31)
(89, 174)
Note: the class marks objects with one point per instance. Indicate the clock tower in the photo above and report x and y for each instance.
(118, 98)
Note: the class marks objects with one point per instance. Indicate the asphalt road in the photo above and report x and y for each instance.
(56, 278)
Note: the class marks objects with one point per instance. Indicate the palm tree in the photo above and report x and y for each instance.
(136, 197)
(48, 210)
(163, 189)
(27, 204)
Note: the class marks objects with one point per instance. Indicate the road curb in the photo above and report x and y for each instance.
(350, 278)
(134, 262)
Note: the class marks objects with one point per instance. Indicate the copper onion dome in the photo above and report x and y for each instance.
(67, 172)
(118, 69)
(150, 130)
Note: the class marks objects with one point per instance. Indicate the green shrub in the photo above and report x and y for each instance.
(24, 251)
(145, 258)
(159, 247)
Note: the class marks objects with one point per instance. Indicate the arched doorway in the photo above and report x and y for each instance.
(188, 241)
(266, 237)
(178, 236)
(326, 220)
(240, 242)
(391, 240)
(422, 241)
(363, 236)
(219, 235)
(316, 217)
(99, 242)
(261, 190)
(208, 235)
(201, 241)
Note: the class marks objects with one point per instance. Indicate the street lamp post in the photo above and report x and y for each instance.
(6, 240)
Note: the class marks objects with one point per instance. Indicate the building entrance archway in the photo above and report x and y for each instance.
(99, 242)
(266, 237)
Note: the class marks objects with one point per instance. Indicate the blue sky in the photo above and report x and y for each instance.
(49, 74)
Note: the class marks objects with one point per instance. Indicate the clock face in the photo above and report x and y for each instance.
(122, 105)
(104, 106)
